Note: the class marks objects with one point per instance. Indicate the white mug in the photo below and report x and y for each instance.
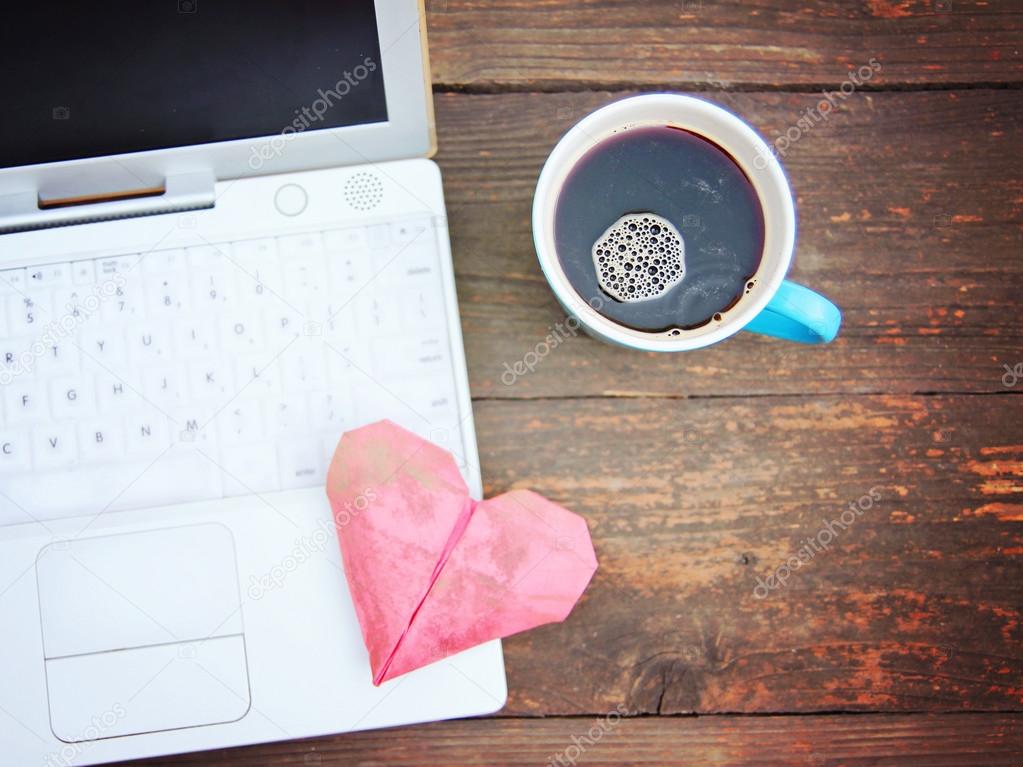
(773, 306)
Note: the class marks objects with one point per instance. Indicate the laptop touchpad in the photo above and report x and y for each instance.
(142, 632)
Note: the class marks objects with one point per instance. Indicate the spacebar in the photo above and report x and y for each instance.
(38, 497)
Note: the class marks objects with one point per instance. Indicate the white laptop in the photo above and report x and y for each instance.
(222, 246)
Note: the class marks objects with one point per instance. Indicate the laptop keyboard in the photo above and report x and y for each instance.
(229, 368)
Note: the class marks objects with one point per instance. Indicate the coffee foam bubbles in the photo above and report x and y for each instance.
(640, 256)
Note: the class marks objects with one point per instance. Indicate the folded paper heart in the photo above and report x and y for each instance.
(433, 572)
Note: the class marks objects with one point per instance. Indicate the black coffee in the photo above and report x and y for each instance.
(658, 229)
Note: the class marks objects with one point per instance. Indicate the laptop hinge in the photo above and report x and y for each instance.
(187, 191)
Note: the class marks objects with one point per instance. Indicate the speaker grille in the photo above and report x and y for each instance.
(364, 191)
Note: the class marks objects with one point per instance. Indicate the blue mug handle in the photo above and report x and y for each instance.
(798, 314)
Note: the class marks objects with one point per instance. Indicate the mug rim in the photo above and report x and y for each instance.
(710, 121)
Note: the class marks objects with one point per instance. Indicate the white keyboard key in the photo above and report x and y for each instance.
(413, 231)
(146, 435)
(241, 422)
(260, 376)
(329, 444)
(165, 386)
(260, 286)
(195, 339)
(377, 315)
(106, 268)
(24, 403)
(100, 441)
(283, 325)
(29, 313)
(167, 293)
(16, 358)
(83, 272)
(305, 279)
(430, 400)
(72, 398)
(331, 415)
(302, 463)
(252, 253)
(348, 362)
(304, 366)
(347, 241)
(402, 357)
(122, 295)
(114, 394)
(211, 379)
(213, 285)
(211, 291)
(242, 334)
(423, 307)
(250, 468)
(348, 274)
(54, 446)
(59, 357)
(298, 247)
(158, 262)
(287, 416)
(15, 452)
(176, 477)
(75, 302)
(103, 344)
(50, 276)
(209, 258)
(193, 429)
(149, 343)
(12, 282)
(378, 236)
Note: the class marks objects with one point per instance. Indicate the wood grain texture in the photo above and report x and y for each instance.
(911, 219)
(564, 44)
(915, 606)
(994, 740)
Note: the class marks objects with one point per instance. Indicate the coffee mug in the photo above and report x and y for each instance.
(772, 306)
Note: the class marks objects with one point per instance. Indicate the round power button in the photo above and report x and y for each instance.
(290, 200)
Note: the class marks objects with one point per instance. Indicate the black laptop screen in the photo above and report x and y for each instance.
(82, 79)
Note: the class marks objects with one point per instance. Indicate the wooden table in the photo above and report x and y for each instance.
(698, 473)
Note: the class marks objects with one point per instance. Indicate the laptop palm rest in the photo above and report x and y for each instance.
(142, 632)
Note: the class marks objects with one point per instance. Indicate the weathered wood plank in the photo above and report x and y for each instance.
(911, 219)
(916, 605)
(558, 44)
(994, 740)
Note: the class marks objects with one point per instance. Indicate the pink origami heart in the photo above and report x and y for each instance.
(433, 572)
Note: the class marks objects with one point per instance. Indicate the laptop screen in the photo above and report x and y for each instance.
(83, 79)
